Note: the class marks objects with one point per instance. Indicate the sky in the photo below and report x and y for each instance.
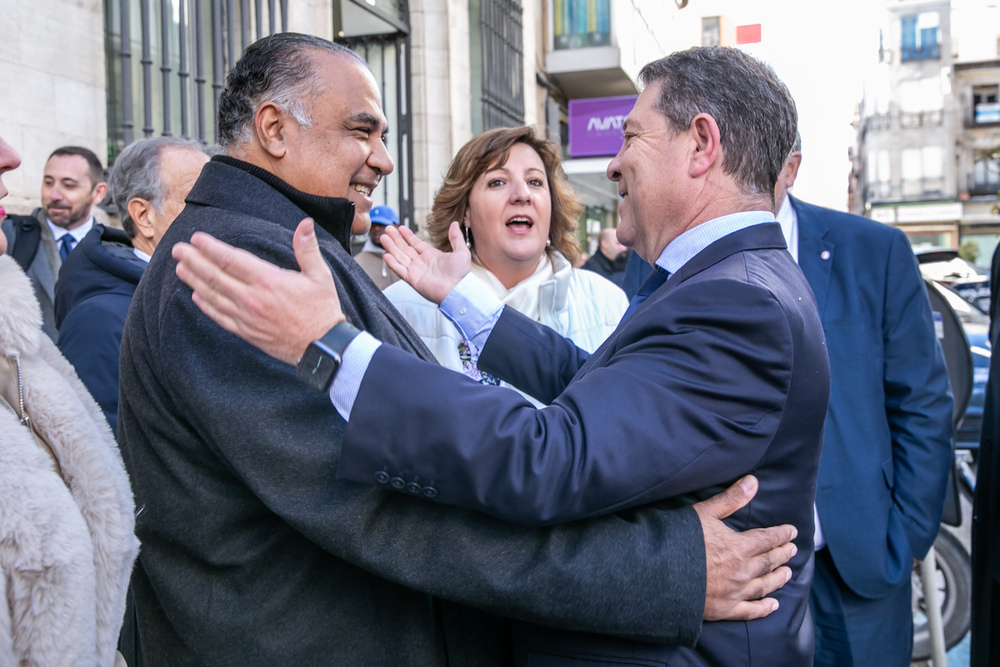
(822, 51)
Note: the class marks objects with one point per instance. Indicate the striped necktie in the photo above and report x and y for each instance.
(650, 285)
(65, 246)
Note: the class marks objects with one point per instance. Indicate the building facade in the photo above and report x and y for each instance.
(929, 126)
(104, 73)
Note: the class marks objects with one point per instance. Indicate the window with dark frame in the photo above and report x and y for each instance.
(497, 63)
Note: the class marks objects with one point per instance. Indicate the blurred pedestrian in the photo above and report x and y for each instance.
(610, 258)
(371, 258)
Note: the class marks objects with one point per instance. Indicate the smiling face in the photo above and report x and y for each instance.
(343, 153)
(650, 170)
(509, 212)
(68, 192)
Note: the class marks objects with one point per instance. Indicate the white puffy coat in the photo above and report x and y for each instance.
(581, 305)
(67, 540)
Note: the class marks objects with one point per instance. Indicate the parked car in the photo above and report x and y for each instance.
(944, 266)
(975, 323)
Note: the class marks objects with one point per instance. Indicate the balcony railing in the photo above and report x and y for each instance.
(922, 52)
(912, 119)
(922, 187)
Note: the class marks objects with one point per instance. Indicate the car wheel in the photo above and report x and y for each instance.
(954, 574)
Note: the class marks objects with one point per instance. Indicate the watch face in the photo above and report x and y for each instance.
(316, 368)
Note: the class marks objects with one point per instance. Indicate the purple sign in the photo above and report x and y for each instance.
(595, 125)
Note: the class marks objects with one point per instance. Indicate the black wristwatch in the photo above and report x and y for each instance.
(319, 364)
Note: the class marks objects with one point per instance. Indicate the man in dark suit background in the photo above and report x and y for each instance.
(721, 371)
(254, 553)
(887, 440)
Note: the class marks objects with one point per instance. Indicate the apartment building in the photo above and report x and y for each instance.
(929, 126)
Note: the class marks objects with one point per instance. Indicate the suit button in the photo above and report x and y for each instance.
(397, 483)
(413, 487)
(382, 477)
(430, 492)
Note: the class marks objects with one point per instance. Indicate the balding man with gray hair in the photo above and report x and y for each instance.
(148, 182)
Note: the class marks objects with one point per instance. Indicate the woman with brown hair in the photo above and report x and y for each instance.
(518, 215)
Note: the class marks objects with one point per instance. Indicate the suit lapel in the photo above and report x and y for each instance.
(816, 252)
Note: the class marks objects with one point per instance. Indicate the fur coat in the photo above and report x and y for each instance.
(67, 543)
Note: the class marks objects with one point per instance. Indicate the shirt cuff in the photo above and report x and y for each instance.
(474, 309)
(353, 366)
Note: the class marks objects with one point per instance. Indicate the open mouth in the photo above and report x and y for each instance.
(366, 190)
(520, 224)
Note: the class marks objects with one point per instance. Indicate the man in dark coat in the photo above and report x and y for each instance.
(149, 182)
(254, 553)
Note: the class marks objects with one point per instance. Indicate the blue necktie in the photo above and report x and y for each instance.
(65, 246)
(650, 285)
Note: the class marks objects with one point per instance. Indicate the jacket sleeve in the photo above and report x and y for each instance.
(689, 398)
(918, 400)
(90, 338)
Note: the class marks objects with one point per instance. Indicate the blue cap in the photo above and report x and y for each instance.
(384, 215)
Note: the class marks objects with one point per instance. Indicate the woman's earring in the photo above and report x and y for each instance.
(468, 241)
(548, 242)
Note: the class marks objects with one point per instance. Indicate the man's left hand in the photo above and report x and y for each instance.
(277, 310)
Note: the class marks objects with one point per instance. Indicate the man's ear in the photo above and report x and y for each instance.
(792, 169)
(707, 144)
(100, 190)
(268, 124)
(139, 210)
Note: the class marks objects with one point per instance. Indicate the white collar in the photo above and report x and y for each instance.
(77, 234)
(789, 227)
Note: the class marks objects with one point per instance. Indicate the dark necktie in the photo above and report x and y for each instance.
(650, 285)
(65, 246)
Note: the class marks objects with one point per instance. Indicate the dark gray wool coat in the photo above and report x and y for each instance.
(254, 553)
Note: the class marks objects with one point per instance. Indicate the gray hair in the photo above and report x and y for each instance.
(276, 69)
(136, 173)
(754, 111)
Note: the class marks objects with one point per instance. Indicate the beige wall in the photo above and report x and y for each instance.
(52, 77)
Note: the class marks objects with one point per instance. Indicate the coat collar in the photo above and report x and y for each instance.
(242, 187)
(816, 249)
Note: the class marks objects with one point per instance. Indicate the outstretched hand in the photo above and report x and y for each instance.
(742, 568)
(277, 310)
(428, 270)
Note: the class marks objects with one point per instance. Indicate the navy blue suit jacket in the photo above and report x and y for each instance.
(721, 372)
(887, 443)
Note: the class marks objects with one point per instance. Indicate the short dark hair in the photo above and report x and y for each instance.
(136, 173)
(95, 169)
(753, 108)
(491, 149)
(277, 69)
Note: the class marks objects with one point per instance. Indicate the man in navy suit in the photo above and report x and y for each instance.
(719, 370)
(887, 440)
